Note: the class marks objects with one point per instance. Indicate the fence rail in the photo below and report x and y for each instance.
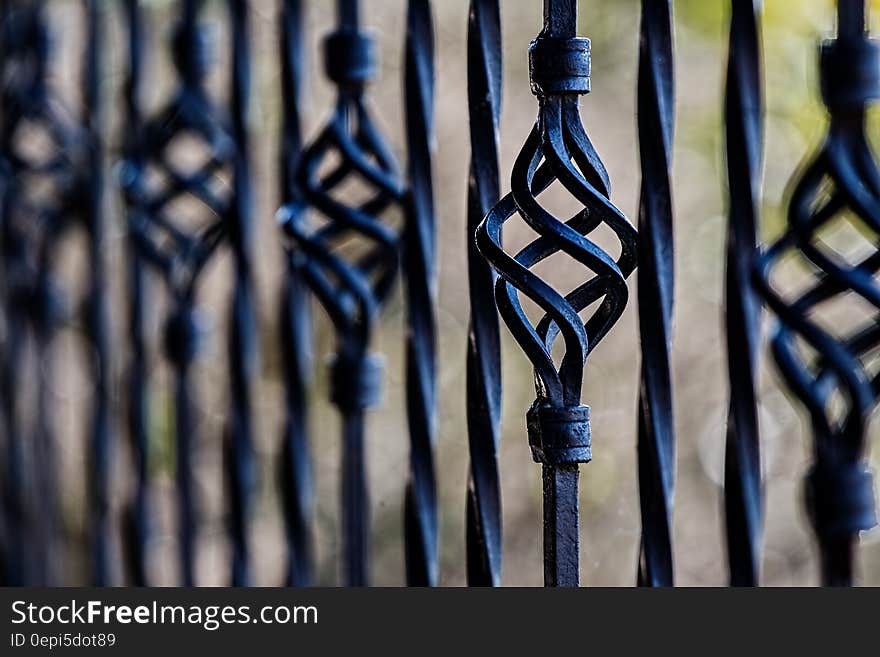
(350, 224)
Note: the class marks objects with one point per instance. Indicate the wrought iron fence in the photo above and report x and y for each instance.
(177, 168)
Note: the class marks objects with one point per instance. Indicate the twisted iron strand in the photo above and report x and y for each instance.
(419, 253)
(743, 496)
(655, 293)
(484, 351)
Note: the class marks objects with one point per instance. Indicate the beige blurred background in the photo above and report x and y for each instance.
(610, 514)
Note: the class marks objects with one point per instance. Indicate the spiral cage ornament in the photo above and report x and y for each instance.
(352, 287)
(179, 215)
(45, 194)
(830, 359)
(558, 149)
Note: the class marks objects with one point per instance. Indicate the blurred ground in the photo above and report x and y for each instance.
(610, 515)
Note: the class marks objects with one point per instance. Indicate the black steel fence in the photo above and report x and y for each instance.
(352, 222)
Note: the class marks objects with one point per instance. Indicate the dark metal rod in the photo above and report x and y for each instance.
(561, 527)
(656, 442)
(420, 283)
(138, 517)
(852, 18)
(296, 467)
(560, 18)
(243, 322)
(483, 350)
(355, 500)
(103, 437)
(348, 14)
(743, 108)
(185, 441)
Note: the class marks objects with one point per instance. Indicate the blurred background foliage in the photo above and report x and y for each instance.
(610, 518)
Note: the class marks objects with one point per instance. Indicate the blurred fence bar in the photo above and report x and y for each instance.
(352, 287)
(832, 367)
(349, 224)
(178, 221)
(48, 192)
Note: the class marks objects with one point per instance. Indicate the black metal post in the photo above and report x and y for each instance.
(558, 149)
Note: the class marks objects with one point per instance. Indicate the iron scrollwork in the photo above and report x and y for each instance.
(558, 149)
(352, 288)
(831, 364)
(45, 194)
(153, 182)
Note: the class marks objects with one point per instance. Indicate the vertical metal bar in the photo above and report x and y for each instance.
(743, 111)
(348, 14)
(852, 18)
(179, 254)
(243, 323)
(185, 441)
(102, 434)
(138, 523)
(355, 500)
(420, 284)
(484, 349)
(656, 447)
(561, 526)
(296, 468)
